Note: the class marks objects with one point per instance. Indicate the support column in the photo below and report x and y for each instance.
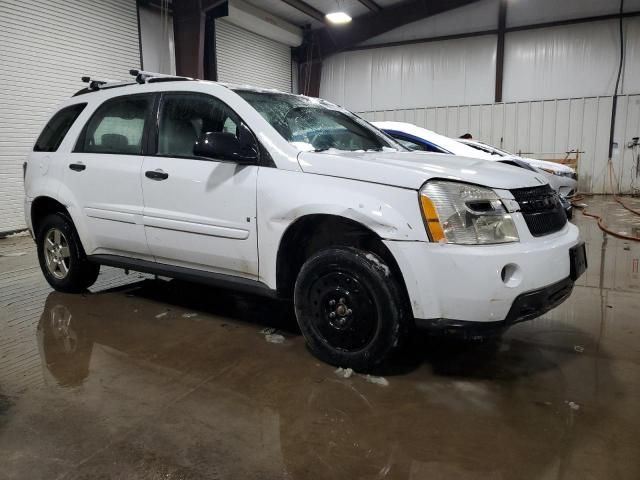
(502, 23)
(189, 36)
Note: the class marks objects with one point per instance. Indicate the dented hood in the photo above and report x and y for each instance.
(412, 169)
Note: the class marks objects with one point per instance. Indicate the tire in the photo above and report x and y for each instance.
(61, 256)
(349, 308)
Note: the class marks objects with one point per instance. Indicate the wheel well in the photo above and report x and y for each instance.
(312, 233)
(43, 206)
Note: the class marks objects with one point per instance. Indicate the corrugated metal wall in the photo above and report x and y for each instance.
(548, 127)
(427, 74)
(246, 58)
(557, 85)
(46, 48)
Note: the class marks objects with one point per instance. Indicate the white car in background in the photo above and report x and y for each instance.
(421, 139)
(562, 178)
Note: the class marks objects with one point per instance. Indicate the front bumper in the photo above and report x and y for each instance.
(468, 283)
(526, 306)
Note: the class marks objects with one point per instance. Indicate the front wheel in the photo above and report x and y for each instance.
(62, 259)
(349, 307)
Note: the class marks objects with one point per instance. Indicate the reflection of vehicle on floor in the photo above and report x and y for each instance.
(316, 424)
(421, 139)
(293, 197)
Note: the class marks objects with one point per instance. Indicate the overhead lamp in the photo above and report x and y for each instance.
(338, 18)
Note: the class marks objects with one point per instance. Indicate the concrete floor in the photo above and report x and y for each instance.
(155, 379)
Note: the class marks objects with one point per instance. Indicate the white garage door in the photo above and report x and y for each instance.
(246, 58)
(46, 48)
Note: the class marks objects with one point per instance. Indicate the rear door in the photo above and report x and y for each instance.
(103, 174)
(199, 212)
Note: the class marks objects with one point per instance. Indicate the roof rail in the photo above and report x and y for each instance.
(143, 76)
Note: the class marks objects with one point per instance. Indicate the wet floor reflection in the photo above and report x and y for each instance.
(166, 379)
(207, 391)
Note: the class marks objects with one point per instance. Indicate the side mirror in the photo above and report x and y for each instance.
(227, 147)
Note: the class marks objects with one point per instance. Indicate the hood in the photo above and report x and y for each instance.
(413, 169)
(556, 167)
(421, 135)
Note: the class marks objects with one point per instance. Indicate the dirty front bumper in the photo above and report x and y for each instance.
(526, 306)
(481, 284)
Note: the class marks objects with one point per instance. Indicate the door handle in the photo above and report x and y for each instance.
(77, 167)
(156, 174)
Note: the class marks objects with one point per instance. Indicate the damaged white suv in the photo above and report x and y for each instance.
(294, 197)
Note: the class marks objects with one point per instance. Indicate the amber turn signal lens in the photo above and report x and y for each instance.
(431, 218)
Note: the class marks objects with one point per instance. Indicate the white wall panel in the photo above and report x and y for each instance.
(543, 129)
(571, 61)
(560, 62)
(631, 79)
(332, 82)
(46, 48)
(358, 68)
(542, 11)
(428, 74)
(386, 78)
(476, 17)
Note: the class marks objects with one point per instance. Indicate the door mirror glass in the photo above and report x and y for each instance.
(226, 146)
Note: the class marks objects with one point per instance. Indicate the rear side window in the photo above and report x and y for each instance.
(117, 126)
(55, 131)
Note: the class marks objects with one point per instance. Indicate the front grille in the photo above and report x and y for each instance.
(541, 209)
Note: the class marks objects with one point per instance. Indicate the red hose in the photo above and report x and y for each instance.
(598, 218)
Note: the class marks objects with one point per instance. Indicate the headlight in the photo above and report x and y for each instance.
(561, 173)
(465, 214)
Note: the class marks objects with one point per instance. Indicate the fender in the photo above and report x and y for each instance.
(69, 200)
(285, 196)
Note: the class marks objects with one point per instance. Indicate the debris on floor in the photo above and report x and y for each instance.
(268, 331)
(160, 315)
(348, 373)
(344, 372)
(377, 380)
(578, 348)
(189, 315)
(274, 338)
(573, 405)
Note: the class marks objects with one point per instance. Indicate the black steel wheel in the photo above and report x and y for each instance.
(349, 307)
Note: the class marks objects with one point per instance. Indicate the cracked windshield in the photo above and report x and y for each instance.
(313, 125)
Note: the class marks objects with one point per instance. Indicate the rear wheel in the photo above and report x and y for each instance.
(62, 259)
(349, 307)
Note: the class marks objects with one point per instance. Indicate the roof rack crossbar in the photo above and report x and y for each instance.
(143, 76)
(97, 84)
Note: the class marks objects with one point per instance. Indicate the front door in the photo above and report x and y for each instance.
(103, 174)
(199, 212)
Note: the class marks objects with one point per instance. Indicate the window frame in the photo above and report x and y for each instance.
(412, 138)
(81, 105)
(264, 158)
(79, 146)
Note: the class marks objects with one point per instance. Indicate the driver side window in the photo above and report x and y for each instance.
(185, 117)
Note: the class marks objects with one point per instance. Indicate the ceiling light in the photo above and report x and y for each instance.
(338, 17)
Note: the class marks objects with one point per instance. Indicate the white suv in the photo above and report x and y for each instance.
(294, 197)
